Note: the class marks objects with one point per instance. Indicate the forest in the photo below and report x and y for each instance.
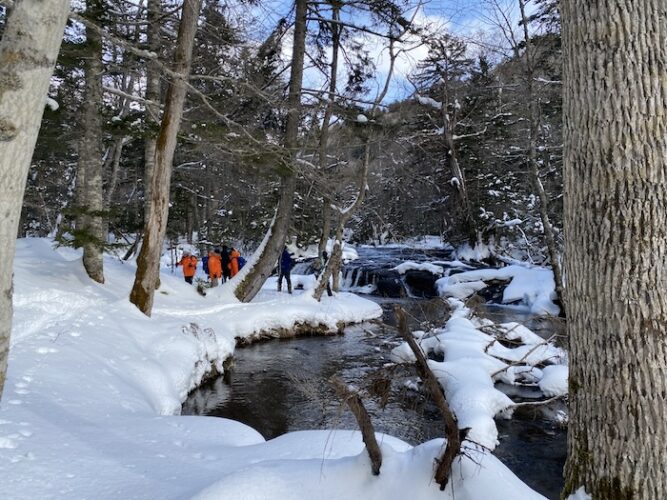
(465, 200)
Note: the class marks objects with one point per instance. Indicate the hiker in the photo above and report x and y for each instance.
(234, 262)
(204, 264)
(189, 263)
(225, 263)
(286, 264)
(214, 267)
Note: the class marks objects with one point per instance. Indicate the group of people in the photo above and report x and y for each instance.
(220, 264)
(224, 263)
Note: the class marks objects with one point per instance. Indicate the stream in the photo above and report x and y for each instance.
(281, 386)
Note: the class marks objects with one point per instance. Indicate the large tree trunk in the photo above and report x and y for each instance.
(148, 261)
(615, 101)
(28, 52)
(252, 280)
(90, 152)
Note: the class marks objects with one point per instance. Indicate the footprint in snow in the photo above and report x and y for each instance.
(15, 402)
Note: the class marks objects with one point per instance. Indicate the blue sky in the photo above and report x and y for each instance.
(467, 18)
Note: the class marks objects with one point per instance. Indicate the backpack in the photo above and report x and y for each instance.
(241, 262)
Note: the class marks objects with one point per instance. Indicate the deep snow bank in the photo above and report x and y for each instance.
(532, 286)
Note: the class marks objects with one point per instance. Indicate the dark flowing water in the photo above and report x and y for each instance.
(282, 386)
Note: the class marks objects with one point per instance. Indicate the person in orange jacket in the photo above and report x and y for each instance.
(189, 263)
(234, 262)
(214, 267)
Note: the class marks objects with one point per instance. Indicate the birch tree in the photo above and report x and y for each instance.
(148, 261)
(28, 52)
(615, 97)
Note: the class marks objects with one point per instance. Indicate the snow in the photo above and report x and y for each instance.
(461, 290)
(427, 101)
(349, 252)
(580, 494)
(430, 242)
(51, 103)
(474, 360)
(94, 388)
(414, 266)
(532, 286)
(554, 380)
(362, 118)
(478, 253)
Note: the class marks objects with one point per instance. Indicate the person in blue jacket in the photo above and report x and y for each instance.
(286, 264)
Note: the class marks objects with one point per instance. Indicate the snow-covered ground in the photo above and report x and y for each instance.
(94, 388)
(475, 359)
(532, 286)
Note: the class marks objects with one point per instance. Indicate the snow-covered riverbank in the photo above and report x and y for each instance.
(94, 388)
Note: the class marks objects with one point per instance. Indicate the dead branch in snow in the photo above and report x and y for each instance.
(356, 405)
(453, 447)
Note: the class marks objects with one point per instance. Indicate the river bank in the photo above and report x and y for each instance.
(94, 391)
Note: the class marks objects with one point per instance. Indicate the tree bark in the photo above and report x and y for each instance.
(251, 281)
(28, 52)
(115, 155)
(154, 9)
(356, 405)
(615, 134)
(90, 152)
(148, 261)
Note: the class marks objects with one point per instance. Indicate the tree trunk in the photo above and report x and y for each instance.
(534, 117)
(148, 261)
(458, 179)
(252, 280)
(326, 123)
(334, 264)
(356, 405)
(615, 133)
(452, 434)
(28, 52)
(116, 154)
(90, 152)
(153, 95)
